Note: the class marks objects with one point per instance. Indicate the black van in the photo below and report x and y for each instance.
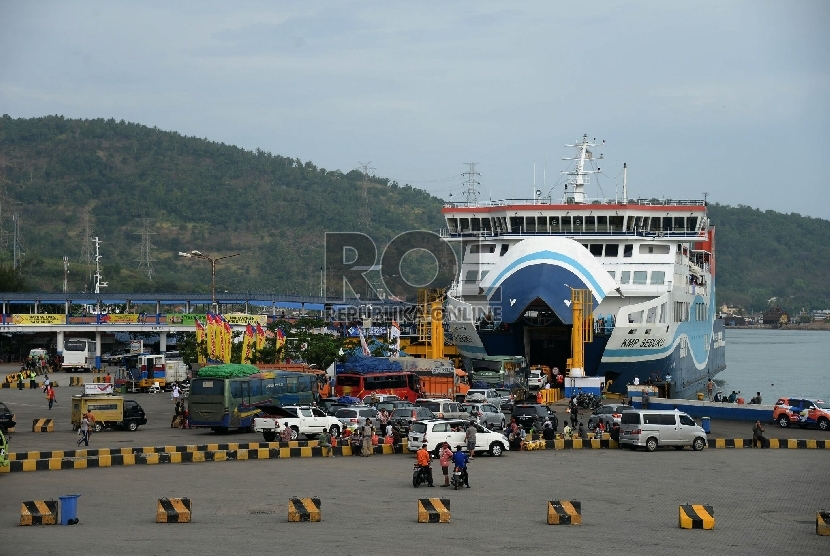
(133, 415)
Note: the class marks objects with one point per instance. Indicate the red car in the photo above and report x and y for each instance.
(804, 412)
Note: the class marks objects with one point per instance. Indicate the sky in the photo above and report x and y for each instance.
(727, 98)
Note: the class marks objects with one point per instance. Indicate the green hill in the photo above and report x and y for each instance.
(274, 210)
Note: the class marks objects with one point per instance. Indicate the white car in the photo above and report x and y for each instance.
(488, 395)
(536, 379)
(302, 419)
(435, 432)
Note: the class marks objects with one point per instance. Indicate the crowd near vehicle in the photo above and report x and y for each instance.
(434, 432)
(652, 429)
(402, 418)
(443, 408)
(804, 412)
(533, 416)
(607, 415)
(486, 414)
(225, 403)
(305, 420)
(78, 355)
(109, 412)
(6, 418)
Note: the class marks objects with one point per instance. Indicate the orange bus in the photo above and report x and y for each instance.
(405, 385)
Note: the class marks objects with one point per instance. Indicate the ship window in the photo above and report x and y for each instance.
(602, 223)
(658, 277)
(516, 224)
(596, 249)
(476, 224)
(465, 225)
(628, 250)
(486, 224)
(652, 249)
(667, 223)
(577, 224)
(590, 223)
(566, 223)
(616, 223)
(542, 223)
(554, 223)
(612, 249)
(692, 222)
(474, 248)
(640, 276)
(680, 223)
(663, 313)
(452, 223)
(530, 224)
(625, 277)
(471, 276)
(504, 248)
(651, 315)
(484, 273)
(612, 273)
(636, 317)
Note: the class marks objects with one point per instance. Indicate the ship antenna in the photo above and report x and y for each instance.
(625, 183)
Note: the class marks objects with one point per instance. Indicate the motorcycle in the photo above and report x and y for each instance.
(419, 475)
(459, 477)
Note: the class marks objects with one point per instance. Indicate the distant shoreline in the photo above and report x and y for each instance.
(796, 326)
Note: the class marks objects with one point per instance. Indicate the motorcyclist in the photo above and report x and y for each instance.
(460, 460)
(425, 462)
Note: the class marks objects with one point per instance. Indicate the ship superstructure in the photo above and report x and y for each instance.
(649, 265)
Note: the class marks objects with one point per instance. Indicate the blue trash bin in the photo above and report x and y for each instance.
(704, 422)
(69, 509)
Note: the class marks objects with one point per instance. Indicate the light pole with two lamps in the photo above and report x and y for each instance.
(213, 260)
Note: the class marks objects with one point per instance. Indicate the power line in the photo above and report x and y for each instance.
(145, 259)
(365, 216)
(471, 183)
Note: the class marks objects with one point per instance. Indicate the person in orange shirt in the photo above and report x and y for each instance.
(425, 462)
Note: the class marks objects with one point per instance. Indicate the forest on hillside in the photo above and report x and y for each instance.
(62, 177)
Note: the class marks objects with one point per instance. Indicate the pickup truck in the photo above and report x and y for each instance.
(302, 419)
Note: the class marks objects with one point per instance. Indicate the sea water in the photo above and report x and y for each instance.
(777, 363)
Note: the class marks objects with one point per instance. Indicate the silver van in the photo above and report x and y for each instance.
(654, 428)
(443, 408)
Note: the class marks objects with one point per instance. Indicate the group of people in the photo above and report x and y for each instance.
(445, 456)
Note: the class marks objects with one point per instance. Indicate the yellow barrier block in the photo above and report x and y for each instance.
(173, 510)
(43, 425)
(304, 509)
(811, 443)
(792, 443)
(823, 523)
(433, 510)
(305, 452)
(39, 512)
(564, 512)
(696, 516)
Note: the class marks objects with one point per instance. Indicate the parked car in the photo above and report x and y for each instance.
(379, 398)
(403, 417)
(330, 405)
(435, 432)
(804, 412)
(393, 405)
(6, 417)
(442, 408)
(536, 379)
(608, 415)
(485, 413)
(507, 399)
(533, 416)
(483, 395)
(356, 415)
(302, 419)
(654, 428)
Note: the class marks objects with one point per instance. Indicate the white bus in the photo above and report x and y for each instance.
(78, 354)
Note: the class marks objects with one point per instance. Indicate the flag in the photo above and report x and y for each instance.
(200, 337)
(395, 338)
(212, 337)
(280, 341)
(260, 337)
(248, 344)
(227, 337)
(363, 343)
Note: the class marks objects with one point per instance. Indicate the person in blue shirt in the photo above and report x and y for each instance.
(460, 460)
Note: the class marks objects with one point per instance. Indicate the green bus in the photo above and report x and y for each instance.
(232, 403)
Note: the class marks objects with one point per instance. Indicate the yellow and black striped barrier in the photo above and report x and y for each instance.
(433, 510)
(564, 512)
(304, 509)
(696, 516)
(823, 523)
(39, 512)
(25, 385)
(173, 510)
(43, 425)
(775, 443)
(76, 381)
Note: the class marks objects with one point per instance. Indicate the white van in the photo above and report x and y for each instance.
(654, 428)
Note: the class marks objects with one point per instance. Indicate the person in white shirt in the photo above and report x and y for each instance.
(636, 380)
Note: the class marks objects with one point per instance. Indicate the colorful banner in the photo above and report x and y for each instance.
(200, 337)
(248, 344)
(260, 337)
(262, 320)
(119, 318)
(39, 319)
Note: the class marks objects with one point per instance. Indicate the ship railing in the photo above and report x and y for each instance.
(570, 201)
(465, 232)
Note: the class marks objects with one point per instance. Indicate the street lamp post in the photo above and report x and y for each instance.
(213, 260)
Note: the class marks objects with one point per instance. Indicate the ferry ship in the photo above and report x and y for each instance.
(649, 266)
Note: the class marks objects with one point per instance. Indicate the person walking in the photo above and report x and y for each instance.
(710, 387)
(470, 436)
(176, 392)
(84, 432)
(758, 435)
(574, 415)
(285, 433)
(50, 396)
(368, 432)
(445, 456)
